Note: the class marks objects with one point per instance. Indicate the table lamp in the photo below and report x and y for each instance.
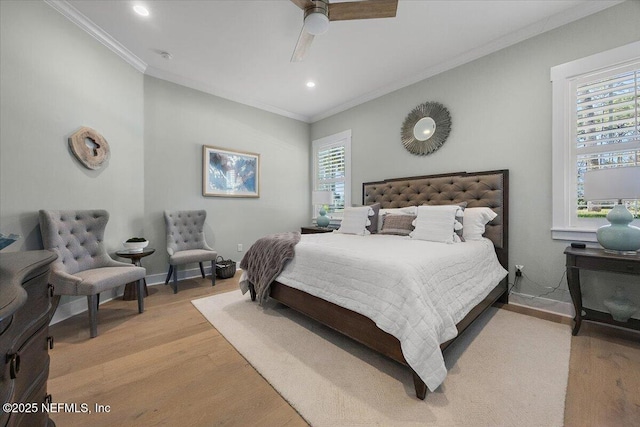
(616, 183)
(322, 198)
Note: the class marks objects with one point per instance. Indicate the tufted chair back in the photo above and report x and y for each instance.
(185, 230)
(77, 237)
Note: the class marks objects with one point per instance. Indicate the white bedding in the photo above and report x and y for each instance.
(412, 289)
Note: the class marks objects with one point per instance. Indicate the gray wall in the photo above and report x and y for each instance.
(178, 122)
(501, 113)
(54, 79)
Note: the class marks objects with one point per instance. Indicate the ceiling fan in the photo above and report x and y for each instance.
(318, 13)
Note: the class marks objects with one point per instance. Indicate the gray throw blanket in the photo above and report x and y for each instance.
(266, 258)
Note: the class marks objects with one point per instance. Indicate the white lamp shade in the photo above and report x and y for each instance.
(612, 183)
(322, 197)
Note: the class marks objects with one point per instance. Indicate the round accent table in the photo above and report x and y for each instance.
(130, 290)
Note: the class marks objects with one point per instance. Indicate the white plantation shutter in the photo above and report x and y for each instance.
(595, 111)
(331, 169)
(607, 130)
(331, 174)
(331, 163)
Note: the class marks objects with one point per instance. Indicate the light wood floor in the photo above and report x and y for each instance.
(169, 366)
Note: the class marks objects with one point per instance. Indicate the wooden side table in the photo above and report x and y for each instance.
(131, 290)
(315, 230)
(597, 260)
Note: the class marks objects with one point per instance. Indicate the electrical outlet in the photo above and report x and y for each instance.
(239, 247)
(519, 268)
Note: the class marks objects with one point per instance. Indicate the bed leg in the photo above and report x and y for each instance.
(252, 292)
(420, 386)
(504, 298)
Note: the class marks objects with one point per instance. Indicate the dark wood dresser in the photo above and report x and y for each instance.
(25, 313)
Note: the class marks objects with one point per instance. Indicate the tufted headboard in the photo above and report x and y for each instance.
(480, 189)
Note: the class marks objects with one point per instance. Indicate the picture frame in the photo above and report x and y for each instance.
(230, 173)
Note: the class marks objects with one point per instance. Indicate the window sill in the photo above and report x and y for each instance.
(574, 234)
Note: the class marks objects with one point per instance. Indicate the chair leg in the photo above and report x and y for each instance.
(55, 301)
(201, 269)
(140, 296)
(213, 273)
(92, 302)
(166, 281)
(175, 279)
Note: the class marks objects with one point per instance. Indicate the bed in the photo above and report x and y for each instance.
(482, 189)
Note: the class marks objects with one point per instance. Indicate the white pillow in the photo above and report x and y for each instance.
(475, 220)
(356, 220)
(436, 224)
(409, 210)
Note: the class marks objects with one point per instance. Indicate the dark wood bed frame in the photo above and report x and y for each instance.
(477, 189)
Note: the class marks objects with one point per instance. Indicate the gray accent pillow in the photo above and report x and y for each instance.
(400, 225)
(373, 228)
(460, 220)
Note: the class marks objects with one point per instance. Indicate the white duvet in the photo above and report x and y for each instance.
(412, 289)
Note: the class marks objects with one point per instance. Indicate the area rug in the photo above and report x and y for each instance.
(507, 369)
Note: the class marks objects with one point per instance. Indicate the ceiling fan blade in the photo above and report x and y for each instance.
(304, 41)
(367, 9)
(302, 4)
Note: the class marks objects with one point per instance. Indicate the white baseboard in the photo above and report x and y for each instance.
(79, 305)
(542, 304)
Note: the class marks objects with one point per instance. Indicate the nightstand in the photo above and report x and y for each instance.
(315, 230)
(597, 260)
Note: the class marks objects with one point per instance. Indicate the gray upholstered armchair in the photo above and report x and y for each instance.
(83, 266)
(186, 243)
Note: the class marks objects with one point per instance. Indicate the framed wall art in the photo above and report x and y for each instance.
(227, 173)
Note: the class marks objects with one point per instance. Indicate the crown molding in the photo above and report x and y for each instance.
(203, 87)
(72, 14)
(532, 30)
(585, 9)
(75, 16)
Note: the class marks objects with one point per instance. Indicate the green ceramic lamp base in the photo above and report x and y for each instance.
(323, 220)
(619, 237)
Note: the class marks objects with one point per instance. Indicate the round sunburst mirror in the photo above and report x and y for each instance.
(426, 128)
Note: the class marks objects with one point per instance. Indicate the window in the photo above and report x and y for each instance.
(332, 170)
(606, 130)
(595, 125)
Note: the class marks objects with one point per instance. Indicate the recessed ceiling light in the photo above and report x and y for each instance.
(141, 10)
(311, 84)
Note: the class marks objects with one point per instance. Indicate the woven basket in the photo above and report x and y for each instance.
(225, 268)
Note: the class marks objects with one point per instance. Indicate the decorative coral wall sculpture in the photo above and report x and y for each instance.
(89, 147)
